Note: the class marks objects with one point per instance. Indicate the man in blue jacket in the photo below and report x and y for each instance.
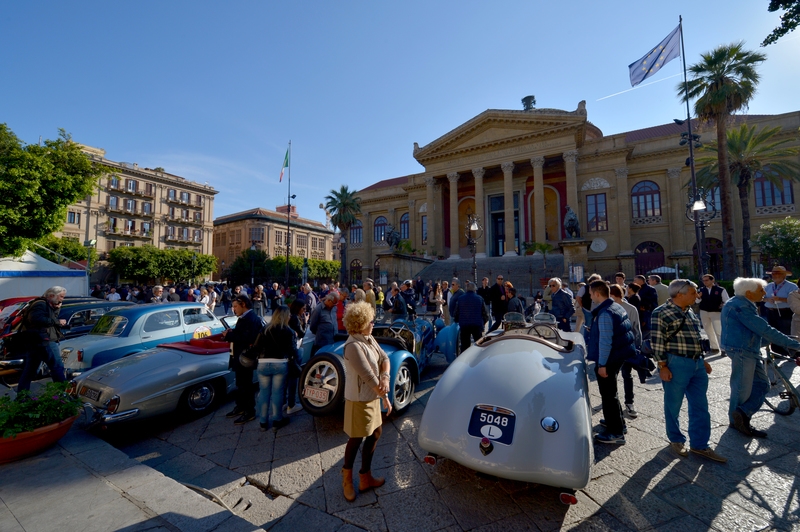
(609, 344)
(471, 316)
(744, 332)
(243, 335)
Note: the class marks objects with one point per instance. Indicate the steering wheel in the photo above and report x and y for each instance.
(546, 333)
(397, 329)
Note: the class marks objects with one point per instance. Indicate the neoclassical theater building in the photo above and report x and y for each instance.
(520, 169)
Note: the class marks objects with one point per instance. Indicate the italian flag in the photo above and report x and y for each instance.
(285, 165)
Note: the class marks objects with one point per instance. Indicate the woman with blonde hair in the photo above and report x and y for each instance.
(204, 299)
(368, 385)
(436, 300)
(258, 301)
(274, 345)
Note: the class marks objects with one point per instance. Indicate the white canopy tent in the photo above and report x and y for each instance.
(31, 275)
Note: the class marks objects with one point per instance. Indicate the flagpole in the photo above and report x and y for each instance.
(699, 238)
(288, 212)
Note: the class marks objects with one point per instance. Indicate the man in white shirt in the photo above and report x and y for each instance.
(711, 298)
(113, 295)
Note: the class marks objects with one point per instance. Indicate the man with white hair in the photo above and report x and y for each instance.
(743, 333)
(563, 308)
(42, 328)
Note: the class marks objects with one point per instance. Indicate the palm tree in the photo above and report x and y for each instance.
(751, 153)
(722, 83)
(343, 206)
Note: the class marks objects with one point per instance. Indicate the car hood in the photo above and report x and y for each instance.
(117, 373)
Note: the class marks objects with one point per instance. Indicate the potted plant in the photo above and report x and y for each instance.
(33, 422)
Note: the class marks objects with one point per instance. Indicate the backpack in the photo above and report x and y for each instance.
(18, 337)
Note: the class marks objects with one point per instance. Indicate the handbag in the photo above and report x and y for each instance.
(246, 362)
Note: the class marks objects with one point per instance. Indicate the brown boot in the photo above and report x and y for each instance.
(347, 485)
(367, 481)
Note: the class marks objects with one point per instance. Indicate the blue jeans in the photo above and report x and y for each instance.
(271, 382)
(50, 354)
(749, 383)
(689, 378)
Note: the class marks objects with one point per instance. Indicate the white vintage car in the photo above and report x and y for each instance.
(516, 405)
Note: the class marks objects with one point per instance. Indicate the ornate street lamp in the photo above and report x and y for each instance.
(342, 257)
(701, 213)
(473, 232)
(252, 264)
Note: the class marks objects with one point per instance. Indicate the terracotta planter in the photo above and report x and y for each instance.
(30, 443)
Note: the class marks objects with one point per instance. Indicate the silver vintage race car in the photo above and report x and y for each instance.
(516, 405)
(187, 375)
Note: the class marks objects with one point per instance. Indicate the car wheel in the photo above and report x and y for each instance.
(403, 392)
(199, 398)
(322, 385)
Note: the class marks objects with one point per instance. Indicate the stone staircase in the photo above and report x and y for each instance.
(524, 272)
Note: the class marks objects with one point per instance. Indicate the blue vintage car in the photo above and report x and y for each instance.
(409, 346)
(127, 331)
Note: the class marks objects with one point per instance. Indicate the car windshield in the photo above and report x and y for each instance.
(110, 325)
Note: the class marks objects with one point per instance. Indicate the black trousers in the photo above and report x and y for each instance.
(612, 411)
(469, 331)
(781, 319)
(245, 389)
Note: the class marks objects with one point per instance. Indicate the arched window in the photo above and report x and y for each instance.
(380, 229)
(713, 196)
(356, 232)
(645, 200)
(355, 272)
(404, 226)
(769, 194)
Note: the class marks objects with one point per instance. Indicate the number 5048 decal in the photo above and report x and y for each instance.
(493, 422)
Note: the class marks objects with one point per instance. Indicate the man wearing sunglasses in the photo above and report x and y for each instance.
(675, 330)
(499, 300)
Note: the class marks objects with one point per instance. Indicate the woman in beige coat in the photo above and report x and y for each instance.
(367, 367)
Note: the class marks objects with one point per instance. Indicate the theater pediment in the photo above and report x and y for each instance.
(499, 129)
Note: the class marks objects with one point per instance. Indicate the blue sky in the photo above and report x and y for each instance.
(213, 91)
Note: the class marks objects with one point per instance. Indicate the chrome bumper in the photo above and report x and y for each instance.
(99, 416)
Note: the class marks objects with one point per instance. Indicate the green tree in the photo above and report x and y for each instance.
(723, 82)
(147, 263)
(37, 184)
(789, 20)
(70, 248)
(751, 153)
(780, 239)
(344, 207)
(544, 248)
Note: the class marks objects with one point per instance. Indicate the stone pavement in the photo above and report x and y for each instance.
(84, 484)
(293, 482)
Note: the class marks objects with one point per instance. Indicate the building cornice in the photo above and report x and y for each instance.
(153, 175)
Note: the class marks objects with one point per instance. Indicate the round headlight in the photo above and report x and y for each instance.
(549, 424)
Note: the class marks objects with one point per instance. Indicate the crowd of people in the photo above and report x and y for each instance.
(620, 321)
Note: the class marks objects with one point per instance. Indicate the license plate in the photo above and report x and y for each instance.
(493, 422)
(316, 394)
(94, 395)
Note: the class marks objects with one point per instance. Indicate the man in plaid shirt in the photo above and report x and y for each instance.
(675, 334)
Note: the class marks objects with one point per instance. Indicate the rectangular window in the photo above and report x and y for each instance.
(596, 214)
(148, 188)
(126, 244)
(256, 234)
(113, 182)
(147, 207)
(147, 227)
(170, 231)
(185, 197)
(302, 241)
(223, 238)
(113, 201)
(172, 212)
(130, 205)
(198, 200)
(198, 217)
(279, 238)
(74, 218)
(769, 194)
(130, 227)
(424, 224)
(185, 233)
(185, 215)
(132, 185)
(171, 194)
(238, 236)
(198, 235)
(112, 225)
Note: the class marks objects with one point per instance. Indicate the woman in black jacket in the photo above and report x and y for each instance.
(274, 345)
(297, 322)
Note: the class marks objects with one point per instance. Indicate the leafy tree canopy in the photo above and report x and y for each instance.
(148, 262)
(37, 184)
(789, 20)
(780, 239)
(268, 270)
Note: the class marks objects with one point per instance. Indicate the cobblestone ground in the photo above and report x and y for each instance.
(292, 481)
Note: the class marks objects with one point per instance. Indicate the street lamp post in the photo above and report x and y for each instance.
(473, 232)
(253, 264)
(701, 213)
(342, 257)
(288, 235)
(696, 204)
(89, 244)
